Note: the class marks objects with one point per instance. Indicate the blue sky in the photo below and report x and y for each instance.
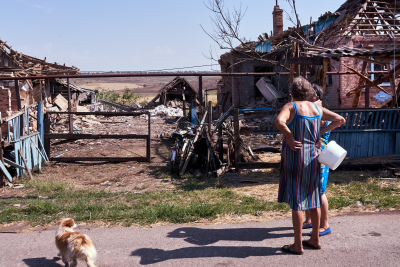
(130, 34)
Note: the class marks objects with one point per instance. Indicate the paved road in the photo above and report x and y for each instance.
(356, 240)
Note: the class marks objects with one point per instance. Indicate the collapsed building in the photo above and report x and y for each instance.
(22, 106)
(361, 38)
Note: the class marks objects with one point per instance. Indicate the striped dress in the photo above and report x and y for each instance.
(300, 170)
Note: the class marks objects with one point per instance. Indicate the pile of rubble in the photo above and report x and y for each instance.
(262, 102)
(176, 103)
(260, 122)
(162, 110)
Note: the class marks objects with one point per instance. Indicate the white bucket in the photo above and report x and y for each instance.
(332, 155)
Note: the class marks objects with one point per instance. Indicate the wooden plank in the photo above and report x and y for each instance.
(361, 121)
(372, 120)
(364, 145)
(25, 164)
(12, 163)
(375, 122)
(390, 122)
(148, 139)
(5, 171)
(353, 120)
(357, 146)
(370, 144)
(381, 138)
(375, 151)
(397, 144)
(323, 73)
(353, 145)
(348, 120)
(385, 120)
(346, 143)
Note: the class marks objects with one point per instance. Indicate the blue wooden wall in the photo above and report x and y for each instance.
(366, 133)
(369, 132)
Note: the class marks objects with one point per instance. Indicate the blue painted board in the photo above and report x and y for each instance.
(385, 121)
(390, 122)
(397, 142)
(375, 151)
(370, 144)
(381, 138)
(5, 171)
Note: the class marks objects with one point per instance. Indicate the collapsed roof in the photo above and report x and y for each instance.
(24, 65)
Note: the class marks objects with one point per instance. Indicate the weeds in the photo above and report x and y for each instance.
(192, 202)
(129, 97)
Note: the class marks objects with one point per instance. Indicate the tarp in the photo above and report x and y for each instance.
(263, 47)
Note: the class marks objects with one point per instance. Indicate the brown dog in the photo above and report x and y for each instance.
(74, 245)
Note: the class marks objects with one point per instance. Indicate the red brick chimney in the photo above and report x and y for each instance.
(278, 20)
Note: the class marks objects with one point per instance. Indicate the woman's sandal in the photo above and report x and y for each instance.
(287, 249)
(306, 244)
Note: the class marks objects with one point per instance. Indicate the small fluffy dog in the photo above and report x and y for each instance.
(74, 245)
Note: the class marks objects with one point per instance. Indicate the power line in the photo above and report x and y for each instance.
(162, 69)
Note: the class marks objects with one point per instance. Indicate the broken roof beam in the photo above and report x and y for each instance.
(394, 72)
(365, 77)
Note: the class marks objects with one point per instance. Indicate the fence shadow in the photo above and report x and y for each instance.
(151, 256)
(43, 262)
(201, 237)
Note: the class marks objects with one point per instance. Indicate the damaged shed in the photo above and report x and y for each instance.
(174, 93)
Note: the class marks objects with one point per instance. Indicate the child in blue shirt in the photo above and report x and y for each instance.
(324, 227)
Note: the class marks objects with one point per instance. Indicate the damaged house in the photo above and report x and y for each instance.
(358, 38)
(22, 106)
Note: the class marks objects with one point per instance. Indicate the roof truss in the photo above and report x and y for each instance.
(377, 18)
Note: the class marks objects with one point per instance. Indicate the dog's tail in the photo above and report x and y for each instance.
(81, 246)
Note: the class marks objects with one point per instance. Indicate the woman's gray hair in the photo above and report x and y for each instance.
(301, 89)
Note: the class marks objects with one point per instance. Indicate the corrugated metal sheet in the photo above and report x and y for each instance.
(263, 47)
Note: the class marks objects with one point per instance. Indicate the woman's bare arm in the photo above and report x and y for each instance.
(281, 123)
(336, 120)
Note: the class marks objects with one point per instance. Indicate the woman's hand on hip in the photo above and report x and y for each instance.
(293, 144)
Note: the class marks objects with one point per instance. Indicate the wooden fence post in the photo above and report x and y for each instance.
(221, 142)
(236, 137)
(71, 123)
(323, 74)
(148, 155)
(209, 117)
(46, 126)
(40, 120)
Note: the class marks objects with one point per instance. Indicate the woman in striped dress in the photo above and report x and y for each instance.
(299, 121)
